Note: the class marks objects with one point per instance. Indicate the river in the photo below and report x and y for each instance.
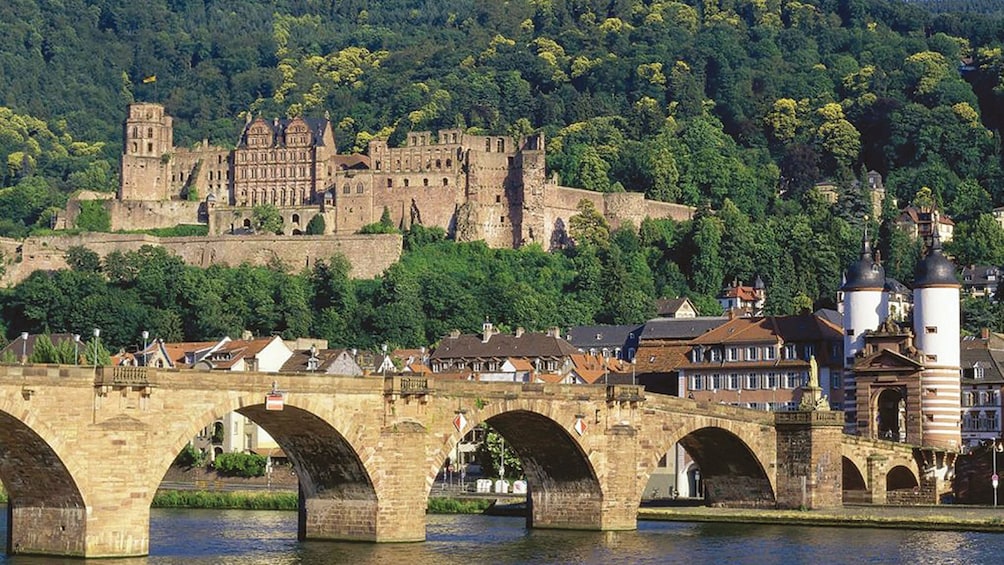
(260, 537)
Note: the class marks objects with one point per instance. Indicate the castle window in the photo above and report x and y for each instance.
(446, 182)
(219, 159)
(501, 146)
(439, 163)
(359, 188)
(449, 163)
(135, 147)
(346, 189)
(378, 164)
(149, 147)
(390, 183)
(501, 219)
(398, 165)
(425, 182)
(454, 138)
(405, 182)
(149, 133)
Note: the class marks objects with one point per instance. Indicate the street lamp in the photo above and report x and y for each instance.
(634, 363)
(24, 347)
(383, 362)
(76, 349)
(145, 335)
(97, 336)
(997, 448)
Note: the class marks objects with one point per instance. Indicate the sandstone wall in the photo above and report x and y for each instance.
(148, 214)
(369, 255)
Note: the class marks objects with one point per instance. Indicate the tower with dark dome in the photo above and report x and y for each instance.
(865, 307)
(936, 327)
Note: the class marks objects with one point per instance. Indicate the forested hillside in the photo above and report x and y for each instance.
(737, 107)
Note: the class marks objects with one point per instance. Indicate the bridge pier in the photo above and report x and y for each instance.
(391, 510)
(77, 532)
(809, 464)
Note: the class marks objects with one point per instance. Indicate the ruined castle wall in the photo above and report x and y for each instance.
(369, 255)
(492, 183)
(130, 215)
(559, 205)
(236, 220)
(210, 167)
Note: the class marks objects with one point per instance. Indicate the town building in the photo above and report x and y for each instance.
(924, 222)
(675, 308)
(762, 362)
(617, 342)
(982, 360)
(492, 356)
(981, 280)
(746, 300)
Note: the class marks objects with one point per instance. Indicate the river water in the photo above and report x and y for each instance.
(261, 537)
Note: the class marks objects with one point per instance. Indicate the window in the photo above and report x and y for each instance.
(751, 353)
(792, 380)
(406, 182)
(696, 382)
(931, 329)
(425, 182)
(716, 354)
(770, 381)
(733, 383)
(837, 380)
(390, 183)
(346, 189)
(752, 381)
(769, 353)
(810, 350)
(718, 381)
(732, 354)
(359, 188)
(931, 358)
(789, 351)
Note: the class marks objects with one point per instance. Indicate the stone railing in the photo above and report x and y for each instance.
(625, 393)
(122, 376)
(407, 386)
(810, 418)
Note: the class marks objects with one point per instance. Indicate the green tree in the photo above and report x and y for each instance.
(494, 453)
(80, 258)
(589, 227)
(316, 225)
(267, 219)
(94, 216)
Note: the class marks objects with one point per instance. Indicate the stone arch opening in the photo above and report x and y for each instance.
(854, 488)
(730, 473)
(45, 506)
(891, 414)
(338, 498)
(900, 478)
(563, 490)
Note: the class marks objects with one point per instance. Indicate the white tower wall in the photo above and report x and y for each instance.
(864, 309)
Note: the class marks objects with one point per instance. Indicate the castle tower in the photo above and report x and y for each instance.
(865, 307)
(146, 153)
(936, 327)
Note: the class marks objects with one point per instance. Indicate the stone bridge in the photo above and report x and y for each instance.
(83, 450)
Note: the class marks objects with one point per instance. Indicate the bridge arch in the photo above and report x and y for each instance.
(900, 477)
(853, 483)
(43, 495)
(326, 449)
(564, 486)
(733, 456)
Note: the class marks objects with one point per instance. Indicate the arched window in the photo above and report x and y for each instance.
(405, 182)
(439, 163)
(346, 189)
(425, 182)
(449, 163)
(390, 183)
(446, 181)
(501, 145)
(359, 188)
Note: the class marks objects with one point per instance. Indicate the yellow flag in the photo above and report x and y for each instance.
(149, 79)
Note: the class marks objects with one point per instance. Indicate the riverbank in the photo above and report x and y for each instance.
(955, 518)
(285, 500)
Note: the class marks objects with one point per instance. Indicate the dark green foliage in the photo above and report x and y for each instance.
(385, 225)
(82, 259)
(189, 456)
(316, 225)
(225, 500)
(94, 216)
(240, 464)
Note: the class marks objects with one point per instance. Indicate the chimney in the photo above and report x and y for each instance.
(454, 334)
(486, 331)
(553, 331)
(519, 332)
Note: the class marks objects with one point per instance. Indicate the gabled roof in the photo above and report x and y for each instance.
(533, 345)
(278, 126)
(680, 328)
(771, 329)
(988, 353)
(665, 307)
(743, 293)
(585, 337)
(297, 363)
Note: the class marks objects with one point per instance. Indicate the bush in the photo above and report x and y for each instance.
(190, 457)
(240, 464)
(94, 216)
